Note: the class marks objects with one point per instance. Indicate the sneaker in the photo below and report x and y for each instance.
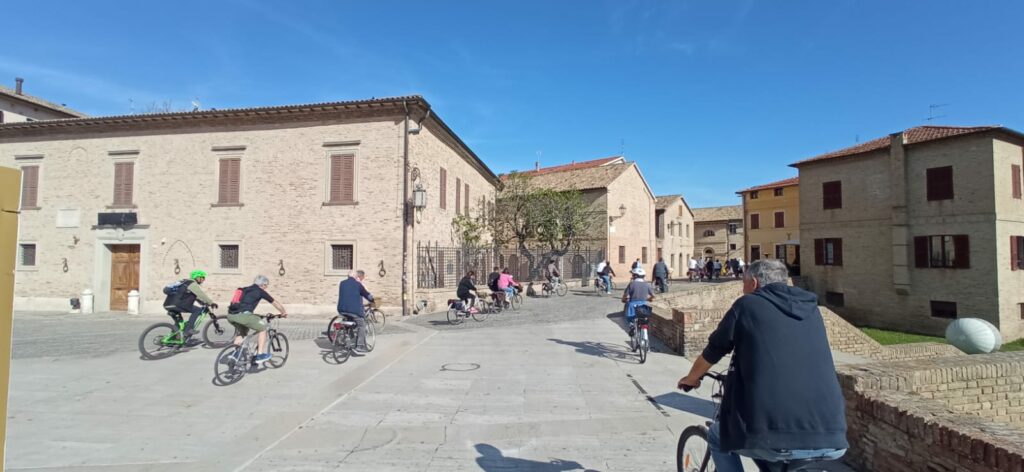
(262, 358)
(361, 349)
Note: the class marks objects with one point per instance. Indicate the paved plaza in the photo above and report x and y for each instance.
(550, 388)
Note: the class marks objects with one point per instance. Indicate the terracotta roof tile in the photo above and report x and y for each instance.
(585, 178)
(576, 165)
(916, 135)
(722, 213)
(782, 183)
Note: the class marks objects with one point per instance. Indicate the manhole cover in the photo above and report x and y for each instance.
(459, 367)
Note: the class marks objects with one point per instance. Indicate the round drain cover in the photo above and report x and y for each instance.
(460, 367)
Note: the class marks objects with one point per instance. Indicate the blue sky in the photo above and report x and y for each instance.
(709, 97)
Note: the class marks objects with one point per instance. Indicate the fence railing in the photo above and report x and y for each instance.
(442, 267)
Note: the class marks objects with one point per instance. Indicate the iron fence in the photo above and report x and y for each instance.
(442, 267)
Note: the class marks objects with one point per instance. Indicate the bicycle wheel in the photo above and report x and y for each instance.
(482, 311)
(515, 302)
(218, 333)
(693, 453)
(341, 349)
(332, 330)
(377, 317)
(371, 336)
(453, 316)
(645, 345)
(159, 341)
(231, 365)
(278, 350)
(561, 289)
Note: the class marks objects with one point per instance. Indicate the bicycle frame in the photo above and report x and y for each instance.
(175, 338)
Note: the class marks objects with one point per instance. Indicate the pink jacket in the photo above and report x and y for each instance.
(505, 281)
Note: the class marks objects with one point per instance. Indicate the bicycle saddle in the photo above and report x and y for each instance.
(792, 465)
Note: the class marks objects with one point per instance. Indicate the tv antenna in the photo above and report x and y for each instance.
(622, 147)
(931, 111)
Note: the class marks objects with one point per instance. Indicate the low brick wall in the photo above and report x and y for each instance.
(684, 331)
(945, 414)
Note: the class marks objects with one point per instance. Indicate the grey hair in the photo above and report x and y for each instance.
(768, 271)
(357, 273)
(261, 280)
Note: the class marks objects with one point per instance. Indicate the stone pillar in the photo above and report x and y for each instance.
(900, 218)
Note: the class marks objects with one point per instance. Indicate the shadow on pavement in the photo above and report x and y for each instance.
(611, 351)
(688, 403)
(492, 459)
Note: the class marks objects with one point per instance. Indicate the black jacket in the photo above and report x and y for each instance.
(782, 391)
(465, 286)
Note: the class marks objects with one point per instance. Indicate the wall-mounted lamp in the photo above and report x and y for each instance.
(419, 197)
(64, 265)
(280, 268)
(622, 212)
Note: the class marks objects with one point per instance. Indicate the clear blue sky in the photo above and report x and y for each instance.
(709, 97)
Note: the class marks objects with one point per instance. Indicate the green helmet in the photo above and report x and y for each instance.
(197, 273)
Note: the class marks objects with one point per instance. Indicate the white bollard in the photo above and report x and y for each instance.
(86, 301)
(133, 302)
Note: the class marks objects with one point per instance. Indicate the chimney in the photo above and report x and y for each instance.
(536, 165)
(17, 84)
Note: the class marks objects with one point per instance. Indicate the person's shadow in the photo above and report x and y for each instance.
(491, 459)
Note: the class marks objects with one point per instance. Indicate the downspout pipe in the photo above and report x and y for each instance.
(405, 211)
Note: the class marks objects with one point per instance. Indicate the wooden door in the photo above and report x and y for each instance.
(124, 274)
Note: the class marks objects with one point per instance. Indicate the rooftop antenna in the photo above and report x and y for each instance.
(536, 165)
(195, 104)
(131, 106)
(931, 111)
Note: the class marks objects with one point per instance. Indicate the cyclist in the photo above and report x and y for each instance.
(606, 274)
(241, 314)
(638, 292)
(492, 284)
(351, 293)
(467, 291)
(661, 275)
(508, 284)
(183, 298)
(783, 399)
(552, 274)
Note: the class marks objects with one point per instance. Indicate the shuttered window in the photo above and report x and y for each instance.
(30, 187)
(341, 256)
(1015, 177)
(828, 251)
(229, 186)
(458, 196)
(228, 256)
(753, 195)
(755, 221)
(836, 299)
(1016, 252)
(940, 183)
(28, 255)
(643, 255)
(778, 192)
(444, 189)
(942, 251)
(124, 181)
(622, 254)
(465, 201)
(780, 219)
(343, 179)
(832, 195)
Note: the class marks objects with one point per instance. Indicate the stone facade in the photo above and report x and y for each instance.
(284, 225)
(770, 240)
(674, 232)
(718, 233)
(884, 206)
(16, 107)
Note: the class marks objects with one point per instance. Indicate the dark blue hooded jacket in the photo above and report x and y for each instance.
(781, 391)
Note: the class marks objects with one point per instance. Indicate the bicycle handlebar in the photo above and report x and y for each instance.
(270, 316)
(716, 376)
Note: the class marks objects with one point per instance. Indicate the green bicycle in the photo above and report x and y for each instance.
(163, 340)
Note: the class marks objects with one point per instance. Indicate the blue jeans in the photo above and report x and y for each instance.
(729, 461)
(631, 310)
(607, 283)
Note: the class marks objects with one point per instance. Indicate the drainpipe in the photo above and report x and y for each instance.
(405, 212)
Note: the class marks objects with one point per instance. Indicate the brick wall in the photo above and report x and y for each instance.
(949, 414)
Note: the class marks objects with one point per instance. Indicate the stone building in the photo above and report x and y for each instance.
(718, 232)
(673, 228)
(17, 106)
(300, 193)
(620, 200)
(914, 229)
(772, 215)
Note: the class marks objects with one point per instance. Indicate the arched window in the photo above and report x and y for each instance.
(709, 232)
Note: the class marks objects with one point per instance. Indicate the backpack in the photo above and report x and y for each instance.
(236, 298)
(492, 282)
(175, 292)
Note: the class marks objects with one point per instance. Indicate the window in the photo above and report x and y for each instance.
(835, 299)
(1021, 306)
(753, 195)
(709, 233)
(29, 187)
(732, 247)
(458, 196)
(828, 251)
(944, 251)
(943, 309)
(622, 254)
(228, 256)
(1016, 252)
(228, 186)
(343, 179)
(755, 253)
(680, 211)
(341, 256)
(778, 192)
(687, 231)
(124, 176)
(780, 219)
(660, 254)
(465, 200)
(940, 183)
(643, 254)
(734, 228)
(755, 221)
(27, 258)
(832, 195)
(1015, 179)
(443, 192)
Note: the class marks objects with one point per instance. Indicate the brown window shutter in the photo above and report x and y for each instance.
(458, 196)
(832, 195)
(30, 187)
(962, 254)
(229, 185)
(838, 252)
(465, 200)
(1013, 252)
(123, 180)
(819, 252)
(921, 251)
(1015, 171)
(755, 221)
(222, 181)
(939, 183)
(444, 189)
(780, 219)
(334, 195)
(348, 178)
(622, 254)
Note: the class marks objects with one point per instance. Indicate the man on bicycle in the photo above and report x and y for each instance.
(661, 275)
(552, 274)
(467, 291)
(606, 274)
(492, 284)
(351, 293)
(241, 315)
(183, 299)
(638, 292)
(782, 399)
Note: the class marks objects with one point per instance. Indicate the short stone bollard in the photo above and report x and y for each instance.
(86, 301)
(133, 302)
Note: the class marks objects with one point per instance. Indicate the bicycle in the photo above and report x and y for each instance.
(458, 312)
(600, 287)
(515, 301)
(639, 338)
(344, 342)
(163, 340)
(555, 286)
(661, 283)
(370, 312)
(233, 362)
(694, 455)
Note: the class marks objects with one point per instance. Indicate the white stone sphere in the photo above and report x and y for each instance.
(974, 336)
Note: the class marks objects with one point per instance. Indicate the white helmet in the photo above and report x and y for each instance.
(639, 272)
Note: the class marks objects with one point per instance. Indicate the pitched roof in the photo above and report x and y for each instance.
(585, 178)
(781, 183)
(915, 135)
(576, 166)
(665, 201)
(722, 213)
(40, 102)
